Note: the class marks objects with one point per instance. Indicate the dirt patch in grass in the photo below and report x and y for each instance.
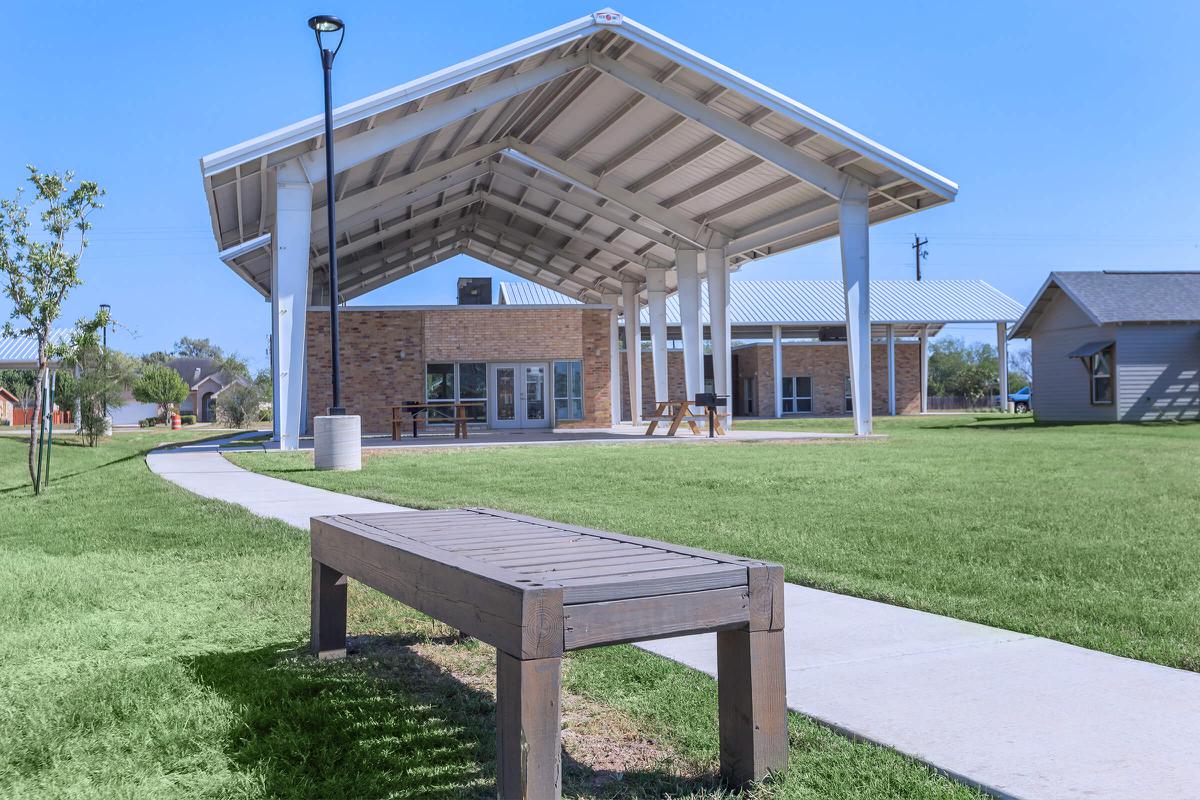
(605, 752)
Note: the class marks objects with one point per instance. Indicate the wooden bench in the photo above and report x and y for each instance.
(534, 589)
(460, 418)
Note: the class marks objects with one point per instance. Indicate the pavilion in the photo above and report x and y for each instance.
(599, 159)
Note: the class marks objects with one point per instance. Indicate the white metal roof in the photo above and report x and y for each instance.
(20, 352)
(574, 158)
(756, 306)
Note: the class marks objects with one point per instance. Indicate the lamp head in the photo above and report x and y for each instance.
(323, 23)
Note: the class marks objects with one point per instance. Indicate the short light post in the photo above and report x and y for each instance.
(105, 310)
(337, 436)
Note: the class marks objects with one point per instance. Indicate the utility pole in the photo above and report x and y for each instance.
(920, 254)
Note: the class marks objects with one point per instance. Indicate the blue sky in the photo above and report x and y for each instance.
(1070, 127)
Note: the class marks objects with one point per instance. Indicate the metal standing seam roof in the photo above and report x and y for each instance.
(20, 352)
(1116, 297)
(802, 302)
(576, 158)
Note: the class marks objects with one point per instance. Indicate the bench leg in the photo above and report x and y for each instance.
(528, 728)
(328, 612)
(752, 704)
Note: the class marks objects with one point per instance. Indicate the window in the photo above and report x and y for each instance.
(450, 383)
(1101, 374)
(849, 397)
(797, 395)
(472, 386)
(568, 390)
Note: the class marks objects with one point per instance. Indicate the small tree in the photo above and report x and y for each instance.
(101, 382)
(162, 386)
(38, 271)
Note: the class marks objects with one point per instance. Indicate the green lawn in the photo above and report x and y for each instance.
(152, 645)
(1087, 534)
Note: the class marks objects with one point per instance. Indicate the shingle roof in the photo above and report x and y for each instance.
(800, 302)
(1134, 296)
(20, 352)
(1120, 297)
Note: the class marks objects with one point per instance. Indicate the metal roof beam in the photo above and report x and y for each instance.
(398, 228)
(423, 183)
(528, 268)
(548, 266)
(811, 170)
(398, 261)
(397, 133)
(436, 256)
(589, 237)
(576, 261)
(681, 226)
(357, 269)
(584, 201)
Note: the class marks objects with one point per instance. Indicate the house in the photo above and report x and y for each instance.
(8, 401)
(1115, 346)
(206, 380)
(543, 359)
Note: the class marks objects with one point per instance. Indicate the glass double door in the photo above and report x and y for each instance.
(518, 393)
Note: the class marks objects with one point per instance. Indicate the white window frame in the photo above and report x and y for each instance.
(555, 396)
(457, 394)
(1107, 356)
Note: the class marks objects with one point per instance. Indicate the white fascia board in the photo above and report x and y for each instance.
(398, 95)
(786, 106)
(1026, 318)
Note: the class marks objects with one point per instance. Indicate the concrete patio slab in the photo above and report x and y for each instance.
(1016, 715)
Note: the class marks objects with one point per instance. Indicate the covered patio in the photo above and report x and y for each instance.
(599, 159)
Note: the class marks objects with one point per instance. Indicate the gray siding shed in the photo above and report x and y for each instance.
(1158, 372)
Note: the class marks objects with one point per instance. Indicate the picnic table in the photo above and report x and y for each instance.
(415, 410)
(678, 412)
(534, 589)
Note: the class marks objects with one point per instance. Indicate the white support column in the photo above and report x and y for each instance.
(656, 295)
(925, 369)
(687, 268)
(718, 324)
(614, 349)
(777, 367)
(1002, 357)
(891, 365)
(854, 233)
(289, 300)
(633, 349)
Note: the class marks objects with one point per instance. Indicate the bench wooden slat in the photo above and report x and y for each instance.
(620, 537)
(651, 584)
(572, 555)
(637, 619)
(625, 566)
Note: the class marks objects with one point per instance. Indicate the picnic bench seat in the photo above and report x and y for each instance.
(534, 589)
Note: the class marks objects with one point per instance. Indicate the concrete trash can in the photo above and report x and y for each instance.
(337, 442)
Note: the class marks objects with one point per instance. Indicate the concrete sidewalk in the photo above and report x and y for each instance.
(1017, 715)
(202, 470)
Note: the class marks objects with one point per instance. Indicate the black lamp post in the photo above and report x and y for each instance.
(105, 310)
(323, 24)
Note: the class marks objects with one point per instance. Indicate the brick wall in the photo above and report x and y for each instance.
(827, 365)
(384, 352)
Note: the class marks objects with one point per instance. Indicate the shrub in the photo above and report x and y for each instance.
(187, 419)
(149, 422)
(237, 406)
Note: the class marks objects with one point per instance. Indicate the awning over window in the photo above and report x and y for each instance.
(1090, 349)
